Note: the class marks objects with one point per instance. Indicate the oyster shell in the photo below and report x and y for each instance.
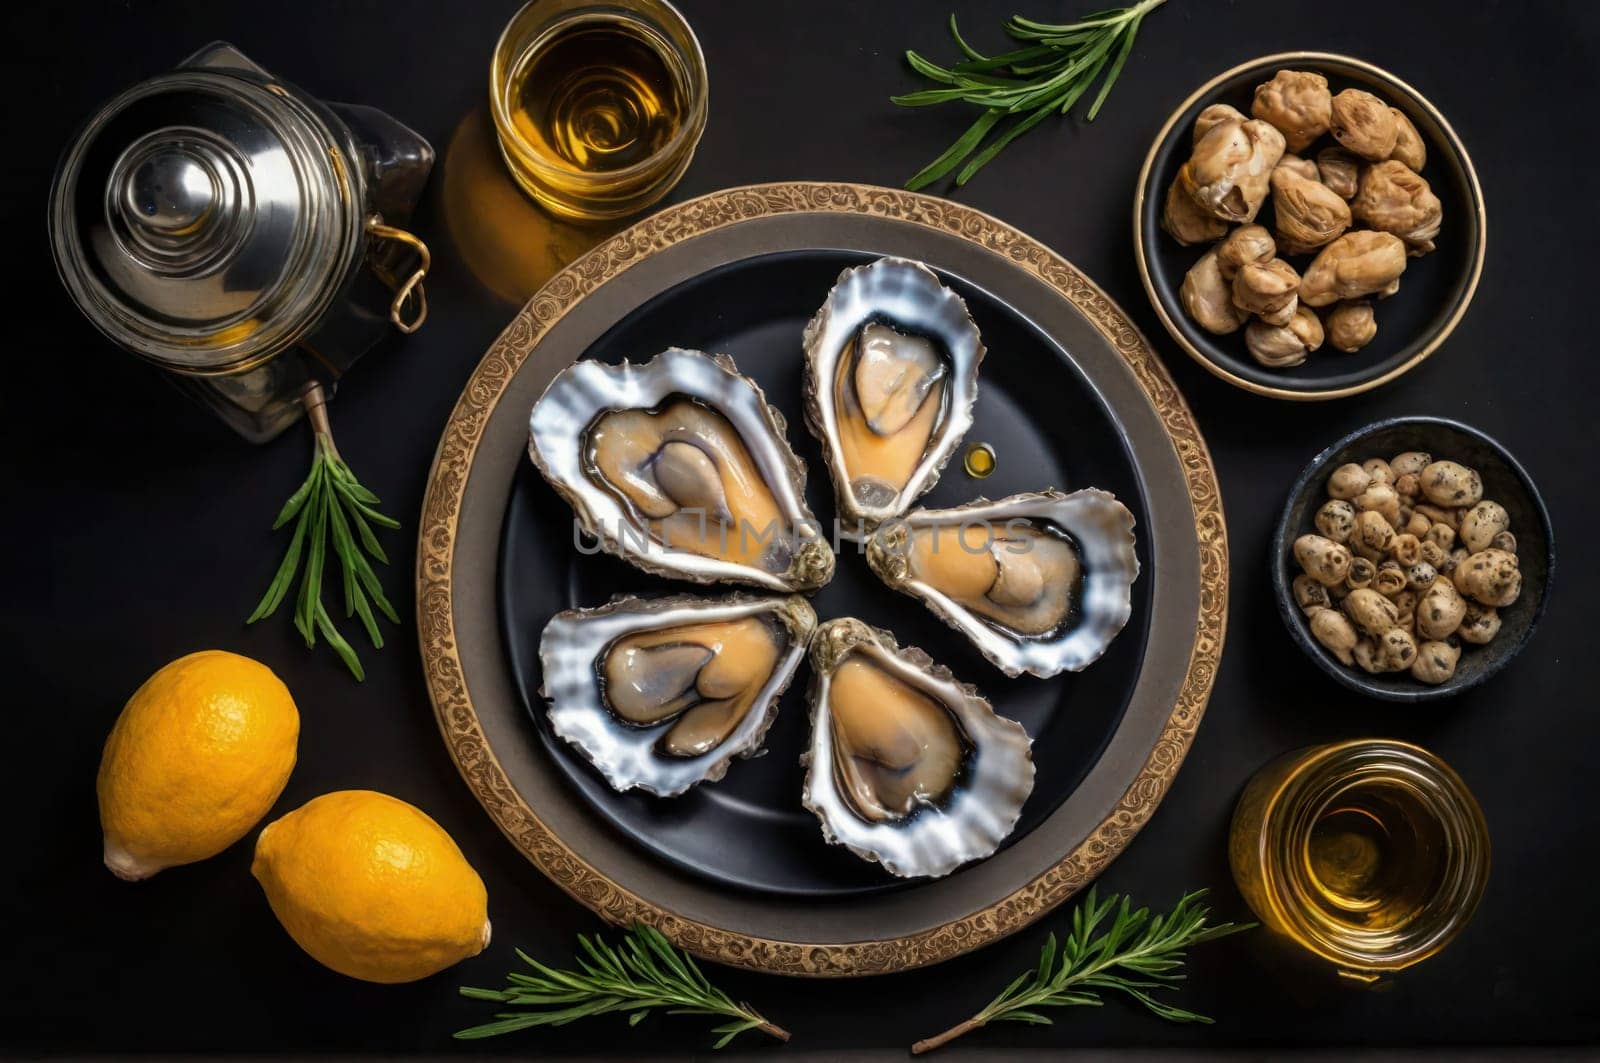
(680, 466)
(1041, 583)
(907, 767)
(661, 694)
(891, 376)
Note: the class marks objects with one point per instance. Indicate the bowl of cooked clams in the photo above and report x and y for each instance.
(1309, 226)
(1413, 559)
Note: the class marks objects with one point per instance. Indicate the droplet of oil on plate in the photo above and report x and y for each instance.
(979, 460)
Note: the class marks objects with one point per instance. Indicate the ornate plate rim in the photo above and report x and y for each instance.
(447, 481)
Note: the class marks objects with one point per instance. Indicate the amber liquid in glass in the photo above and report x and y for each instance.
(597, 97)
(1374, 858)
(1370, 853)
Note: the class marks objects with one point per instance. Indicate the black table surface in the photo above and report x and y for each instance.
(136, 529)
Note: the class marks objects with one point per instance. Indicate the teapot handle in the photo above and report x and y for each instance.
(413, 284)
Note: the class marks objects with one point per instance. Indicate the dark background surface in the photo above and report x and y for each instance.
(136, 531)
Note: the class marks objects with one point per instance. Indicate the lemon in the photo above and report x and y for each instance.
(371, 887)
(197, 757)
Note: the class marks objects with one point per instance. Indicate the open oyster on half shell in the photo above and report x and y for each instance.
(1040, 583)
(907, 766)
(661, 694)
(680, 466)
(891, 376)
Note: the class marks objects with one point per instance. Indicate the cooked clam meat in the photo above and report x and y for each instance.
(707, 676)
(1015, 574)
(889, 391)
(688, 475)
(895, 749)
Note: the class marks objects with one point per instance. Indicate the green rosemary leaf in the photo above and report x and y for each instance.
(967, 50)
(369, 582)
(965, 75)
(930, 97)
(364, 531)
(344, 545)
(955, 152)
(604, 959)
(1072, 97)
(368, 621)
(337, 643)
(1116, 67)
(1050, 73)
(931, 70)
(1047, 957)
(732, 1030)
(495, 1029)
(648, 972)
(656, 942)
(284, 578)
(297, 500)
(1056, 62)
(311, 581)
(1009, 991)
(380, 519)
(1048, 29)
(980, 160)
(979, 64)
(1130, 956)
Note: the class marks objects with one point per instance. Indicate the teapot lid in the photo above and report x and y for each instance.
(205, 218)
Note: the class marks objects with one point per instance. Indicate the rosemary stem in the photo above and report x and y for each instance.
(315, 400)
(773, 1030)
(940, 1040)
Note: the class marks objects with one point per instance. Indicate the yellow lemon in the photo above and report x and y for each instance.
(197, 757)
(371, 887)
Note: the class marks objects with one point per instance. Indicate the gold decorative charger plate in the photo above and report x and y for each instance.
(1072, 395)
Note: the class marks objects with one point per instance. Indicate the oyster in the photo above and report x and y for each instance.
(891, 376)
(661, 694)
(1041, 583)
(907, 766)
(681, 467)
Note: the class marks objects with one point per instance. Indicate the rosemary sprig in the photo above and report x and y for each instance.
(647, 972)
(1055, 66)
(1138, 954)
(331, 506)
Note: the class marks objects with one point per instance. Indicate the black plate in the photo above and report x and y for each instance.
(1434, 291)
(1504, 480)
(1049, 428)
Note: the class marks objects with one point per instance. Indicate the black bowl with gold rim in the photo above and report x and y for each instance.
(1434, 292)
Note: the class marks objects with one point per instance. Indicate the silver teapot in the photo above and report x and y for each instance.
(241, 234)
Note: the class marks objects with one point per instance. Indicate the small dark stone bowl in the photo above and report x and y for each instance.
(1504, 480)
(1434, 292)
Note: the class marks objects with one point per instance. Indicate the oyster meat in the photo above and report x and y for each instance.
(681, 467)
(891, 376)
(1041, 583)
(907, 767)
(661, 694)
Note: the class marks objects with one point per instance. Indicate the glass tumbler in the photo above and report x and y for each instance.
(1372, 853)
(604, 189)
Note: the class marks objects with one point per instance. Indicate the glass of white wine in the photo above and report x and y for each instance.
(598, 107)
